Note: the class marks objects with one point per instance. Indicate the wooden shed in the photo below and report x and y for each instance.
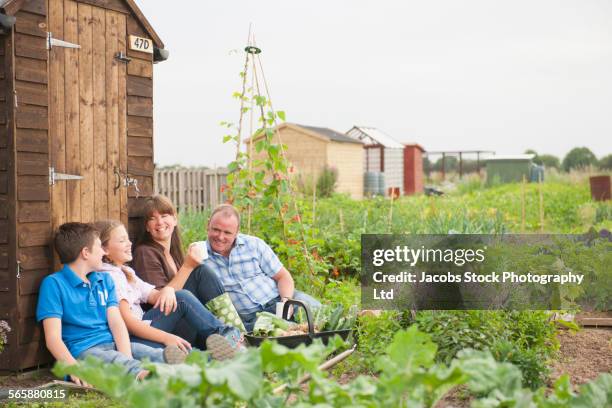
(383, 155)
(413, 169)
(310, 149)
(76, 134)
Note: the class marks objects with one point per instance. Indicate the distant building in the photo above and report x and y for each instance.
(512, 168)
(311, 149)
(399, 166)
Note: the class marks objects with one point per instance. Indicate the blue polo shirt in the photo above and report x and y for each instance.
(80, 306)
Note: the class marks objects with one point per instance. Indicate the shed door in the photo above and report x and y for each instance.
(87, 112)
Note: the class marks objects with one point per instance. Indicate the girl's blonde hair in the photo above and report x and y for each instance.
(105, 228)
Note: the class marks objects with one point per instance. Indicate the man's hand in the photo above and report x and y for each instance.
(166, 301)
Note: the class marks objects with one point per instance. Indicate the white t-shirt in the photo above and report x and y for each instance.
(135, 292)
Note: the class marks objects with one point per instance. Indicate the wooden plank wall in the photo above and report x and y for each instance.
(33, 219)
(8, 275)
(139, 126)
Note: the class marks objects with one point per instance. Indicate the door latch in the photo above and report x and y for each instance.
(126, 179)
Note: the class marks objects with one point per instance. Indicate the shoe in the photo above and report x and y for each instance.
(224, 347)
(174, 355)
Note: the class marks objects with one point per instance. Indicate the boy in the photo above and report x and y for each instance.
(79, 308)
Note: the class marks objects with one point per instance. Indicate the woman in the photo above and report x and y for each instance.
(156, 326)
(159, 260)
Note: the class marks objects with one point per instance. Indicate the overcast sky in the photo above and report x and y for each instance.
(450, 75)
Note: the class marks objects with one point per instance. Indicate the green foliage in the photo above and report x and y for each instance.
(453, 331)
(526, 339)
(326, 183)
(579, 157)
(408, 376)
(373, 334)
(532, 362)
(605, 163)
(4, 330)
(549, 161)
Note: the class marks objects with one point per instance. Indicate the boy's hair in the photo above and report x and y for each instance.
(71, 238)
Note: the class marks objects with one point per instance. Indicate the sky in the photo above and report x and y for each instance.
(492, 75)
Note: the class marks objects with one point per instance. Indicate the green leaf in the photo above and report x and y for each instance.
(281, 115)
(597, 393)
(486, 375)
(112, 379)
(232, 166)
(189, 374)
(259, 145)
(410, 349)
(227, 138)
(242, 374)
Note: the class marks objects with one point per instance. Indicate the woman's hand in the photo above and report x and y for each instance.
(195, 255)
(166, 300)
(173, 340)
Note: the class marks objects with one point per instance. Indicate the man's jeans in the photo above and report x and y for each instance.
(250, 318)
(108, 353)
(202, 323)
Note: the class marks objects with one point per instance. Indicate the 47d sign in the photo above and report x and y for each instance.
(141, 44)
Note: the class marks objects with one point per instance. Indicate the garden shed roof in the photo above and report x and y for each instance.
(510, 157)
(331, 134)
(374, 136)
(11, 7)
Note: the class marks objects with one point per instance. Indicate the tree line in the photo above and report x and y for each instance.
(578, 157)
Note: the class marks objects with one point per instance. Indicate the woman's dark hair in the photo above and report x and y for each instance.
(162, 205)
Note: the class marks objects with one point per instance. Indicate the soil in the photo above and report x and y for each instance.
(584, 355)
(28, 379)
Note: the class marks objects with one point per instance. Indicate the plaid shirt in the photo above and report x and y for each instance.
(247, 273)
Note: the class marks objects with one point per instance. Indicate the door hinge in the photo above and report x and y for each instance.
(54, 42)
(53, 176)
(122, 57)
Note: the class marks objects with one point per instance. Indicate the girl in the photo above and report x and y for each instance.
(156, 326)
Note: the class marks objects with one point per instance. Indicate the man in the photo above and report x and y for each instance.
(249, 270)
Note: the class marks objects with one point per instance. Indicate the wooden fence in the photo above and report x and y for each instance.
(191, 189)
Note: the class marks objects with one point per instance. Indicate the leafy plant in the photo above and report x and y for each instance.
(326, 183)
(4, 330)
(526, 339)
(408, 376)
